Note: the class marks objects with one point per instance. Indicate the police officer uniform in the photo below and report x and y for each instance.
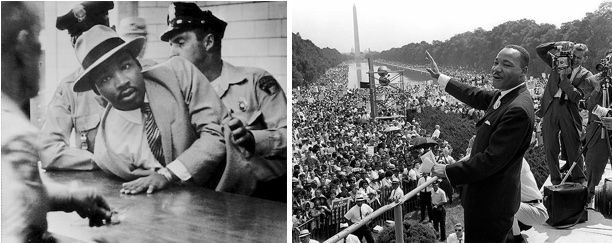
(252, 95)
(67, 109)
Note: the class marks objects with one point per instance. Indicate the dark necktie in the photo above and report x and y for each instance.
(153, 135)
(360, 215)
(562, 98)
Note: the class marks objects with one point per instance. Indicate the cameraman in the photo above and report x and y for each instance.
(597, 147)
(559, 107)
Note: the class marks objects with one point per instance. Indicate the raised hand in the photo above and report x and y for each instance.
(433, 70)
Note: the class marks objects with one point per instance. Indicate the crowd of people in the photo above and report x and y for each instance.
(339, 153)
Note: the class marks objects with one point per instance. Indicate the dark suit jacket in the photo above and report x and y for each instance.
(491, 195)
(189, 115)
(575, 91)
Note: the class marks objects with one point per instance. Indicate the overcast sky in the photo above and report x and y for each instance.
(385, 24)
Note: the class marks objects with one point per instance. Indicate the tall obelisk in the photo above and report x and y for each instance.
(357, 49)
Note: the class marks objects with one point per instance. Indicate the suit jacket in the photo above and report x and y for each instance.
(575, 91)
(188, 113)
(492, 191)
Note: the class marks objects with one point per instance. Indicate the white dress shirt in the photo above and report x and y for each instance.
(396, 194)
(355, 216)
(128, 140)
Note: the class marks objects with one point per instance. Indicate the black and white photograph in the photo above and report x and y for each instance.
(451, 121)
(146, 121)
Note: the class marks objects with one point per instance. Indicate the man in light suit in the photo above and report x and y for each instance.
(560, 115)
(176, 138)
(491, 176)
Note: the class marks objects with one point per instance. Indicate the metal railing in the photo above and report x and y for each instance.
(327, 225)
(398, 216)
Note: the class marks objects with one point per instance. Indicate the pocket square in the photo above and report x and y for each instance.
(487, 122)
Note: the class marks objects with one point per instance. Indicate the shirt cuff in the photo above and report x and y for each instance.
(263, 144)
(179, 170)
(443, 81)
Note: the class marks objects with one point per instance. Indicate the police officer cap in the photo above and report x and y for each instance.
(83, 16)
(188, 16)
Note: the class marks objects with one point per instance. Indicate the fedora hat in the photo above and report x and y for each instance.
(95, 46)
(304, 233)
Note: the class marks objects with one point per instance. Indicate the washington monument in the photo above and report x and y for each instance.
(357, 49)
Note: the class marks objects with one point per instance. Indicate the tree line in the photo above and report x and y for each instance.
(309, 62)
(477, 49)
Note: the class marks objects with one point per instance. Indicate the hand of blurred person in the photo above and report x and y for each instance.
(433, 70)
(241, 135)
(87, 202)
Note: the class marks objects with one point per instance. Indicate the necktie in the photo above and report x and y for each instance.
(571, 78)
(153, 135)
(360, 215)
(562, 98)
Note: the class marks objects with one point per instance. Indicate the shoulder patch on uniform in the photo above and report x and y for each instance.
(269, 84)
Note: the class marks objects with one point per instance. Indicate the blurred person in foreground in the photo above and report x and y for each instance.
(25, 198)
(491, 176)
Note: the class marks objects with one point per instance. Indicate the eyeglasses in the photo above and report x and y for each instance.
(458, 230)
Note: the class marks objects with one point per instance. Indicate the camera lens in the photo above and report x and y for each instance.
(603, 198)
(599, 67)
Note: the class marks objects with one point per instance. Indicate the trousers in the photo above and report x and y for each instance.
(560, 124)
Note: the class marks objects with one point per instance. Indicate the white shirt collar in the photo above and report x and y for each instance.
(504, 92)
(135, 115)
